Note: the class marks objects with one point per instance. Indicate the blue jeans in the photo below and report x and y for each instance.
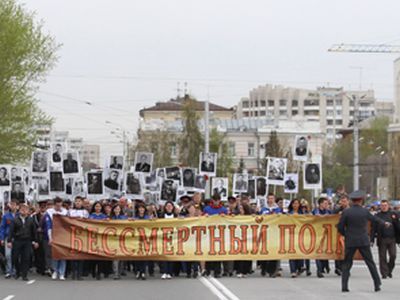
(9, 266)
(59, 267)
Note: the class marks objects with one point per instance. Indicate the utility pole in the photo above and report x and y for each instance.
(206, 122)
(356, 133)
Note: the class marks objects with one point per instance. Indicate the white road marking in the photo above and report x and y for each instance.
(9, 297)
(224, 289)
(31, 281)
(212, 288)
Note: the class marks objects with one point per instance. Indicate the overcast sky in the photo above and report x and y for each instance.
(123, 55)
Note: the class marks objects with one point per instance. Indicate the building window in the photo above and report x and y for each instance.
(311, 102)
(329, 102)
(295, 112)
(338, 122)
(250, 149)
(283, 113)
(311, 113)
(173, 150)
(329, 122)
(262, 113)
(245, 104)
(262, 103)
(295, 103)
(271, 103)
(232, 149)
(245, 114)
(256, 103)
(282, 102)
(338, 101)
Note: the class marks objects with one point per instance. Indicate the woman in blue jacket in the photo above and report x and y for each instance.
(97, 213)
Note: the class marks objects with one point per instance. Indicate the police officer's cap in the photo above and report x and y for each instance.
(357, 195)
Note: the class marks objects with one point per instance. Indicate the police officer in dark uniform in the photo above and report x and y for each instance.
(353, 225)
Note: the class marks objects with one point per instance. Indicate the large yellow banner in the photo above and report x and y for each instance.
(199, 239)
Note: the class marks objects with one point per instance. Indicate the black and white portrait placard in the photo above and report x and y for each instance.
(219, 185)
(251, 188)
(18, 191)
(200, 183)
(208, 164)
(174, 173)
(143, 162)
(188, 177)
(116, 162)
(276, 170)
(151, 178)
(5, 181)
(95, 183)
(56, 182)
(15, 174)
(312, 176)
(43, 187)
(112, 179)
(78, 187)
(169, 190)
(161, 172)
(134, 185)
(261, 187)
(71, 164)
(57, 150)
(300, 148)
(240, 183)
(291, 183)
(40, 163)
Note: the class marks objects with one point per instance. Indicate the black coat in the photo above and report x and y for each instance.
(22, 231)
(353, 225)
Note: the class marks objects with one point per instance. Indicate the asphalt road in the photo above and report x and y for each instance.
(252, 287)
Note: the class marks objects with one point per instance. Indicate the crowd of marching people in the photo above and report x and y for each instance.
(26, 237)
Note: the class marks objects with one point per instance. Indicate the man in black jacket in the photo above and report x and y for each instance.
(386, 237)
(353, 225)
(21, 238)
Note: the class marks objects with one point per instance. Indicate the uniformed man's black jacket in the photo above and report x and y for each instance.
(22, 231)
(353, 225)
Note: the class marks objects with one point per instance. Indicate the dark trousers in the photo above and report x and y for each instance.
(322, 265)
(296, 265)
(269, 266)
(140, 266)
(21, 255)
(243, 266)
(77, 269)
(167, 267)
(387, 246)
(213, 266)
(40, 261)
(348, 263)
(189, 266)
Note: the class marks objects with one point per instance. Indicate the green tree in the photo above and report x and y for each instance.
(26, 55)
(272, 148)
(191, 142)
(151, 142)
(338, 159)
